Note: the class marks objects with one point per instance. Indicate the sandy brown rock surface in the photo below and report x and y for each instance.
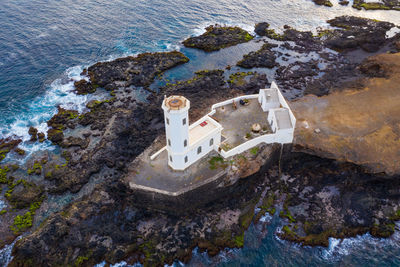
(360, 126)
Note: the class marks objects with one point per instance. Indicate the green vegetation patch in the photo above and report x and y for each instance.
(239, 78)
(254, 150)
(36, 168)
(217, 162)
(3, 174)
(270, 33)
(239, 240)
(23, 222)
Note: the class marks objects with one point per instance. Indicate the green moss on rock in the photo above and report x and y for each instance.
(217, 37)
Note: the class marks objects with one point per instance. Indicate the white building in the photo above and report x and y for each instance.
(187, 144)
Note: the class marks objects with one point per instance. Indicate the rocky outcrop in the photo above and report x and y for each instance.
(355, 32)
(103, 229)
(217, 37)
(84, 87)
(322, 196)
(342, 126)
(261, 58)
(378, 5)
(138, 71)
(6, 145)
(328, 198)
(323, 3)
(33, 133)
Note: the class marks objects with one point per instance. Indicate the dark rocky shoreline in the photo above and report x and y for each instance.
(321, 197)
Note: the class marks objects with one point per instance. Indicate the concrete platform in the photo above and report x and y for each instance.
(237, 122)
(156, 176)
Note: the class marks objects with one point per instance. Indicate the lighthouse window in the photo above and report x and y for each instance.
(211, 141)
(169, 142)
(184, 121)
(167, 121)
(170, 158)
(186, 159)
(199, 150)
(185, 143)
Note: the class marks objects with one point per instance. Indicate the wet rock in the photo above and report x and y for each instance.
(24, 194)
(56, 136)
(326, 198)
(138, 71)
(323, 3)
(33, 133)
(378, 5)
(61, 119)
(20, 151)
(249, 82)
(83, 87)
(261, 28)
(41, 137)
(344, 2)
(296, 75)
(264, 57)
(217, 37)
(6, 145)
(355, 32)
(75, 141)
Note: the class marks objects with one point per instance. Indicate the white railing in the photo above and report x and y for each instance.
(230, 101)
(267, 138)
(152, 157)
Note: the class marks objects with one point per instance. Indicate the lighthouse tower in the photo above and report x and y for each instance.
(176, 116)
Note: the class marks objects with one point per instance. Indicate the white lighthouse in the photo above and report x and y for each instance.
(186, 144)
(176, 116)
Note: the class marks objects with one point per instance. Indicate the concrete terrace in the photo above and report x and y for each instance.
(237, 122)
(155, 175)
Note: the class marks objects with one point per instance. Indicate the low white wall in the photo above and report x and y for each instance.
(230, 101)
(284, 104)
(282, 136)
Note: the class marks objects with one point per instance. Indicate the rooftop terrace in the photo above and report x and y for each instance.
(237, 122)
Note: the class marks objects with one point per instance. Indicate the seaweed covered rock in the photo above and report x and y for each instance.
(217, 37)
(249, 82)
(261, 28)
(138, 71)
(327, 198)
(23, 194)
(84, 87)
(55, 135)
(75, 141)
(323, 3)
(62, 118)
(377, 5)
(33, 133)
(355, 32)
(6, 145)
(264, 57)
(41, 137)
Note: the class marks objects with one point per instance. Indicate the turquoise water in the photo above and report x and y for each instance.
(44, 45)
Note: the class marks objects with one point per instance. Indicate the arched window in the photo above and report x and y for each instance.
(199, 150)
(185, 143)
(170, 158)
(184, 121)
(167, 121)
(186, 159)
(211, 141)
(169, 142)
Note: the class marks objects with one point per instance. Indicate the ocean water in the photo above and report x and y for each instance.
(44, 45)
